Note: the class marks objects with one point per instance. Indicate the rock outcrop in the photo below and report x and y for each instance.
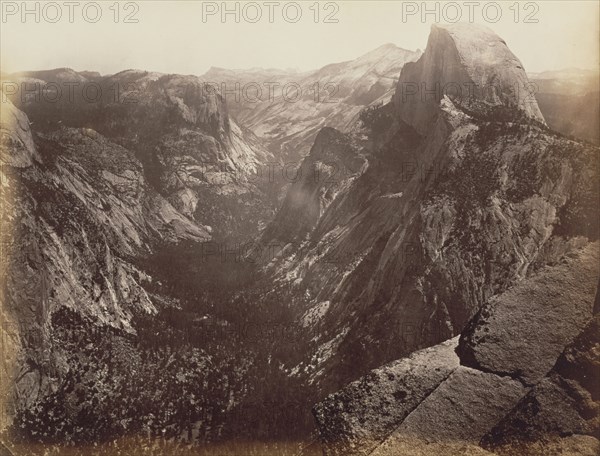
(542, 317)
(18, 149)
(462, 409)
(446, 406)
(562, 412)
(357, 418)
(327, 170)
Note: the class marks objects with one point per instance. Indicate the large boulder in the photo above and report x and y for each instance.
(522, 332)
(357, 418)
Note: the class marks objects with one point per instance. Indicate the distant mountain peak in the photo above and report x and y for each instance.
(389, 46)
(385, 50)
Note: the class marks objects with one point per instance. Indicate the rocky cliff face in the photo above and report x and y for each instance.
(326, 172)
(456, 202)
(76, 212)
(178, 127)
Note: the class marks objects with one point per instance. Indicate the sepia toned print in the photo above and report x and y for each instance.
(299, 228)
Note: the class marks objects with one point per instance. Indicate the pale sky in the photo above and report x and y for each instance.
(172, 37)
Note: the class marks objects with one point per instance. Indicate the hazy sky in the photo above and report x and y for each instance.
(173, 37)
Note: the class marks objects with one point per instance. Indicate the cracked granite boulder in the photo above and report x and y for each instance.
(364, 413)
(540, 318)
(562, 411)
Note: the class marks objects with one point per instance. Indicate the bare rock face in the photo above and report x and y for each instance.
(328, 169)
(509, 324)
(549, 411)
(462, 409)
(470, 64)
(357, 418)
